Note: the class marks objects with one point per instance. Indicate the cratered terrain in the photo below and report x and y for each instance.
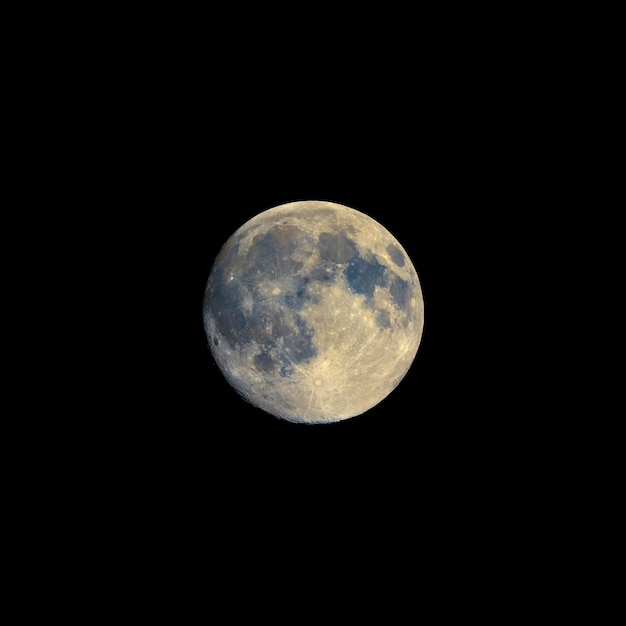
(313, 311)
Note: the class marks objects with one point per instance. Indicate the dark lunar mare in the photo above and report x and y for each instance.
(272, 255)
(222, 297)
(274, 323)
(400, 291)
(396, 255)
(336, 247)
(364, 275)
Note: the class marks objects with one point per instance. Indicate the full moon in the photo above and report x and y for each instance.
(313, 312)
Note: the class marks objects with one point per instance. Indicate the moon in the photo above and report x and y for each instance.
(313, 312)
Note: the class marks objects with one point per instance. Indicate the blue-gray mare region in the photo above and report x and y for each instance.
(400, 291)
(272, 323)
(365, 274)
(396, 255)
(336, 247)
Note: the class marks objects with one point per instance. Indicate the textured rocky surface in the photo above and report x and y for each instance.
(313, 311)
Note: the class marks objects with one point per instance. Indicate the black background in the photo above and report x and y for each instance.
(177, 143)
(409, 160)
(166, 139)
(433, 152)
(437, 468)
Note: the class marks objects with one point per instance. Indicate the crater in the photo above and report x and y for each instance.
(396, 255)
(400, 292)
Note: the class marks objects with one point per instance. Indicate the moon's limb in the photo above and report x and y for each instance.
(314, 312)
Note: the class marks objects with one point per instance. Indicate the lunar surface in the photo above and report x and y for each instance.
(313, 312)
